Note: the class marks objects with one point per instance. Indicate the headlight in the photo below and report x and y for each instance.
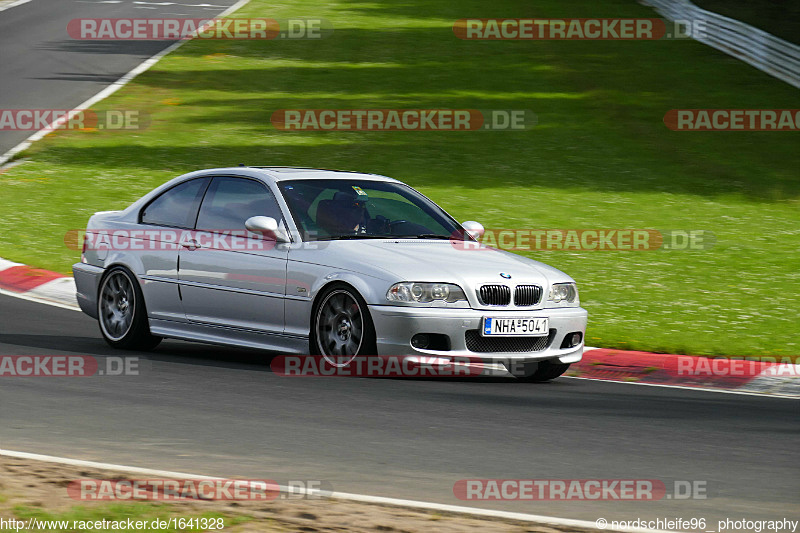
(413, 292)
(563, 292)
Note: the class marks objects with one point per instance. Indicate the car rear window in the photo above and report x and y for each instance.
(176, 207)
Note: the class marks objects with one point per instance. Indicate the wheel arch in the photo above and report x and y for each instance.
(118, 263)
(138, 335)
(365, 289)
(331, 283)
(322, 289)
(127, 260)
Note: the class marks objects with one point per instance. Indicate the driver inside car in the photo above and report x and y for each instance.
(344, 214)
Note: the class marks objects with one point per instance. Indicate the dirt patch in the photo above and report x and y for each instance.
(43, 486)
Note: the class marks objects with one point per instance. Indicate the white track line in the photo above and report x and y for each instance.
(3, 7)
(39, 300)
(6, 264)
(59, 292)
(414, 504)
(105, 93)
(687, 387)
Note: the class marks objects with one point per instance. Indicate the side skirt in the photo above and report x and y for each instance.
(229, 336)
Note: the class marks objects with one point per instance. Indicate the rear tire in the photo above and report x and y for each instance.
(546, 371)
(121, 312)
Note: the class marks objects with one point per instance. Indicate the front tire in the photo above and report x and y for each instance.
(121, 312)
(341, 326)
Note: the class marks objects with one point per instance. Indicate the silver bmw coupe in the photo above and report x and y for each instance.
(309, 261)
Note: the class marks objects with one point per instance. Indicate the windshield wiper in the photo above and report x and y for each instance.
(350, 237)
(423, 236)
(387, 237)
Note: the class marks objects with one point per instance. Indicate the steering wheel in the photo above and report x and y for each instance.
(393, 222)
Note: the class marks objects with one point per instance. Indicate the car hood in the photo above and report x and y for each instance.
(438, 261)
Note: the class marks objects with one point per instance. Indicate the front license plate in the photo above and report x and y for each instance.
(515, 327)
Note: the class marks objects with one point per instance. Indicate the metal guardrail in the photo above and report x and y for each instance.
(770, 54)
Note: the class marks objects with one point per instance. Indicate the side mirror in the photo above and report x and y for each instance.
(473, 229)
(268, 226)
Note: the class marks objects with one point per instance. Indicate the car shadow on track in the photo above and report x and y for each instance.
(60, 343)
(197, 354)
(261, 361)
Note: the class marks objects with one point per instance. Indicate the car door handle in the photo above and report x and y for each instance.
(190, 244)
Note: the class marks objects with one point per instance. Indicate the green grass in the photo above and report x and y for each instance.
(121, 512)
(600, 156)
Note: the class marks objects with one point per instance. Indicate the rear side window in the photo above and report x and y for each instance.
(176, 207)
(231, 201)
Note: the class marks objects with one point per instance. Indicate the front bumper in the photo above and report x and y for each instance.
(87, 281)
(395, 325)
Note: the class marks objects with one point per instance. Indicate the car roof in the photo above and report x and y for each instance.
(277, 173)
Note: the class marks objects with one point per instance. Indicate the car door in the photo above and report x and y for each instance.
(163, 220)
(229, 276)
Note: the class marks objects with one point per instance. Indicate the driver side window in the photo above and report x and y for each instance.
(231, 201)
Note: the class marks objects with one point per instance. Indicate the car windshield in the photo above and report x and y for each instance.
(364, 209)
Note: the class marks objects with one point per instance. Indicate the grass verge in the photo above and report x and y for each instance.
(154, 516)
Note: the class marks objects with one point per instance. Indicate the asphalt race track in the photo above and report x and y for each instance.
(219, 411)
(43, 68)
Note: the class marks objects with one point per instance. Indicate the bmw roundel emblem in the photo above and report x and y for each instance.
(505, 276)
